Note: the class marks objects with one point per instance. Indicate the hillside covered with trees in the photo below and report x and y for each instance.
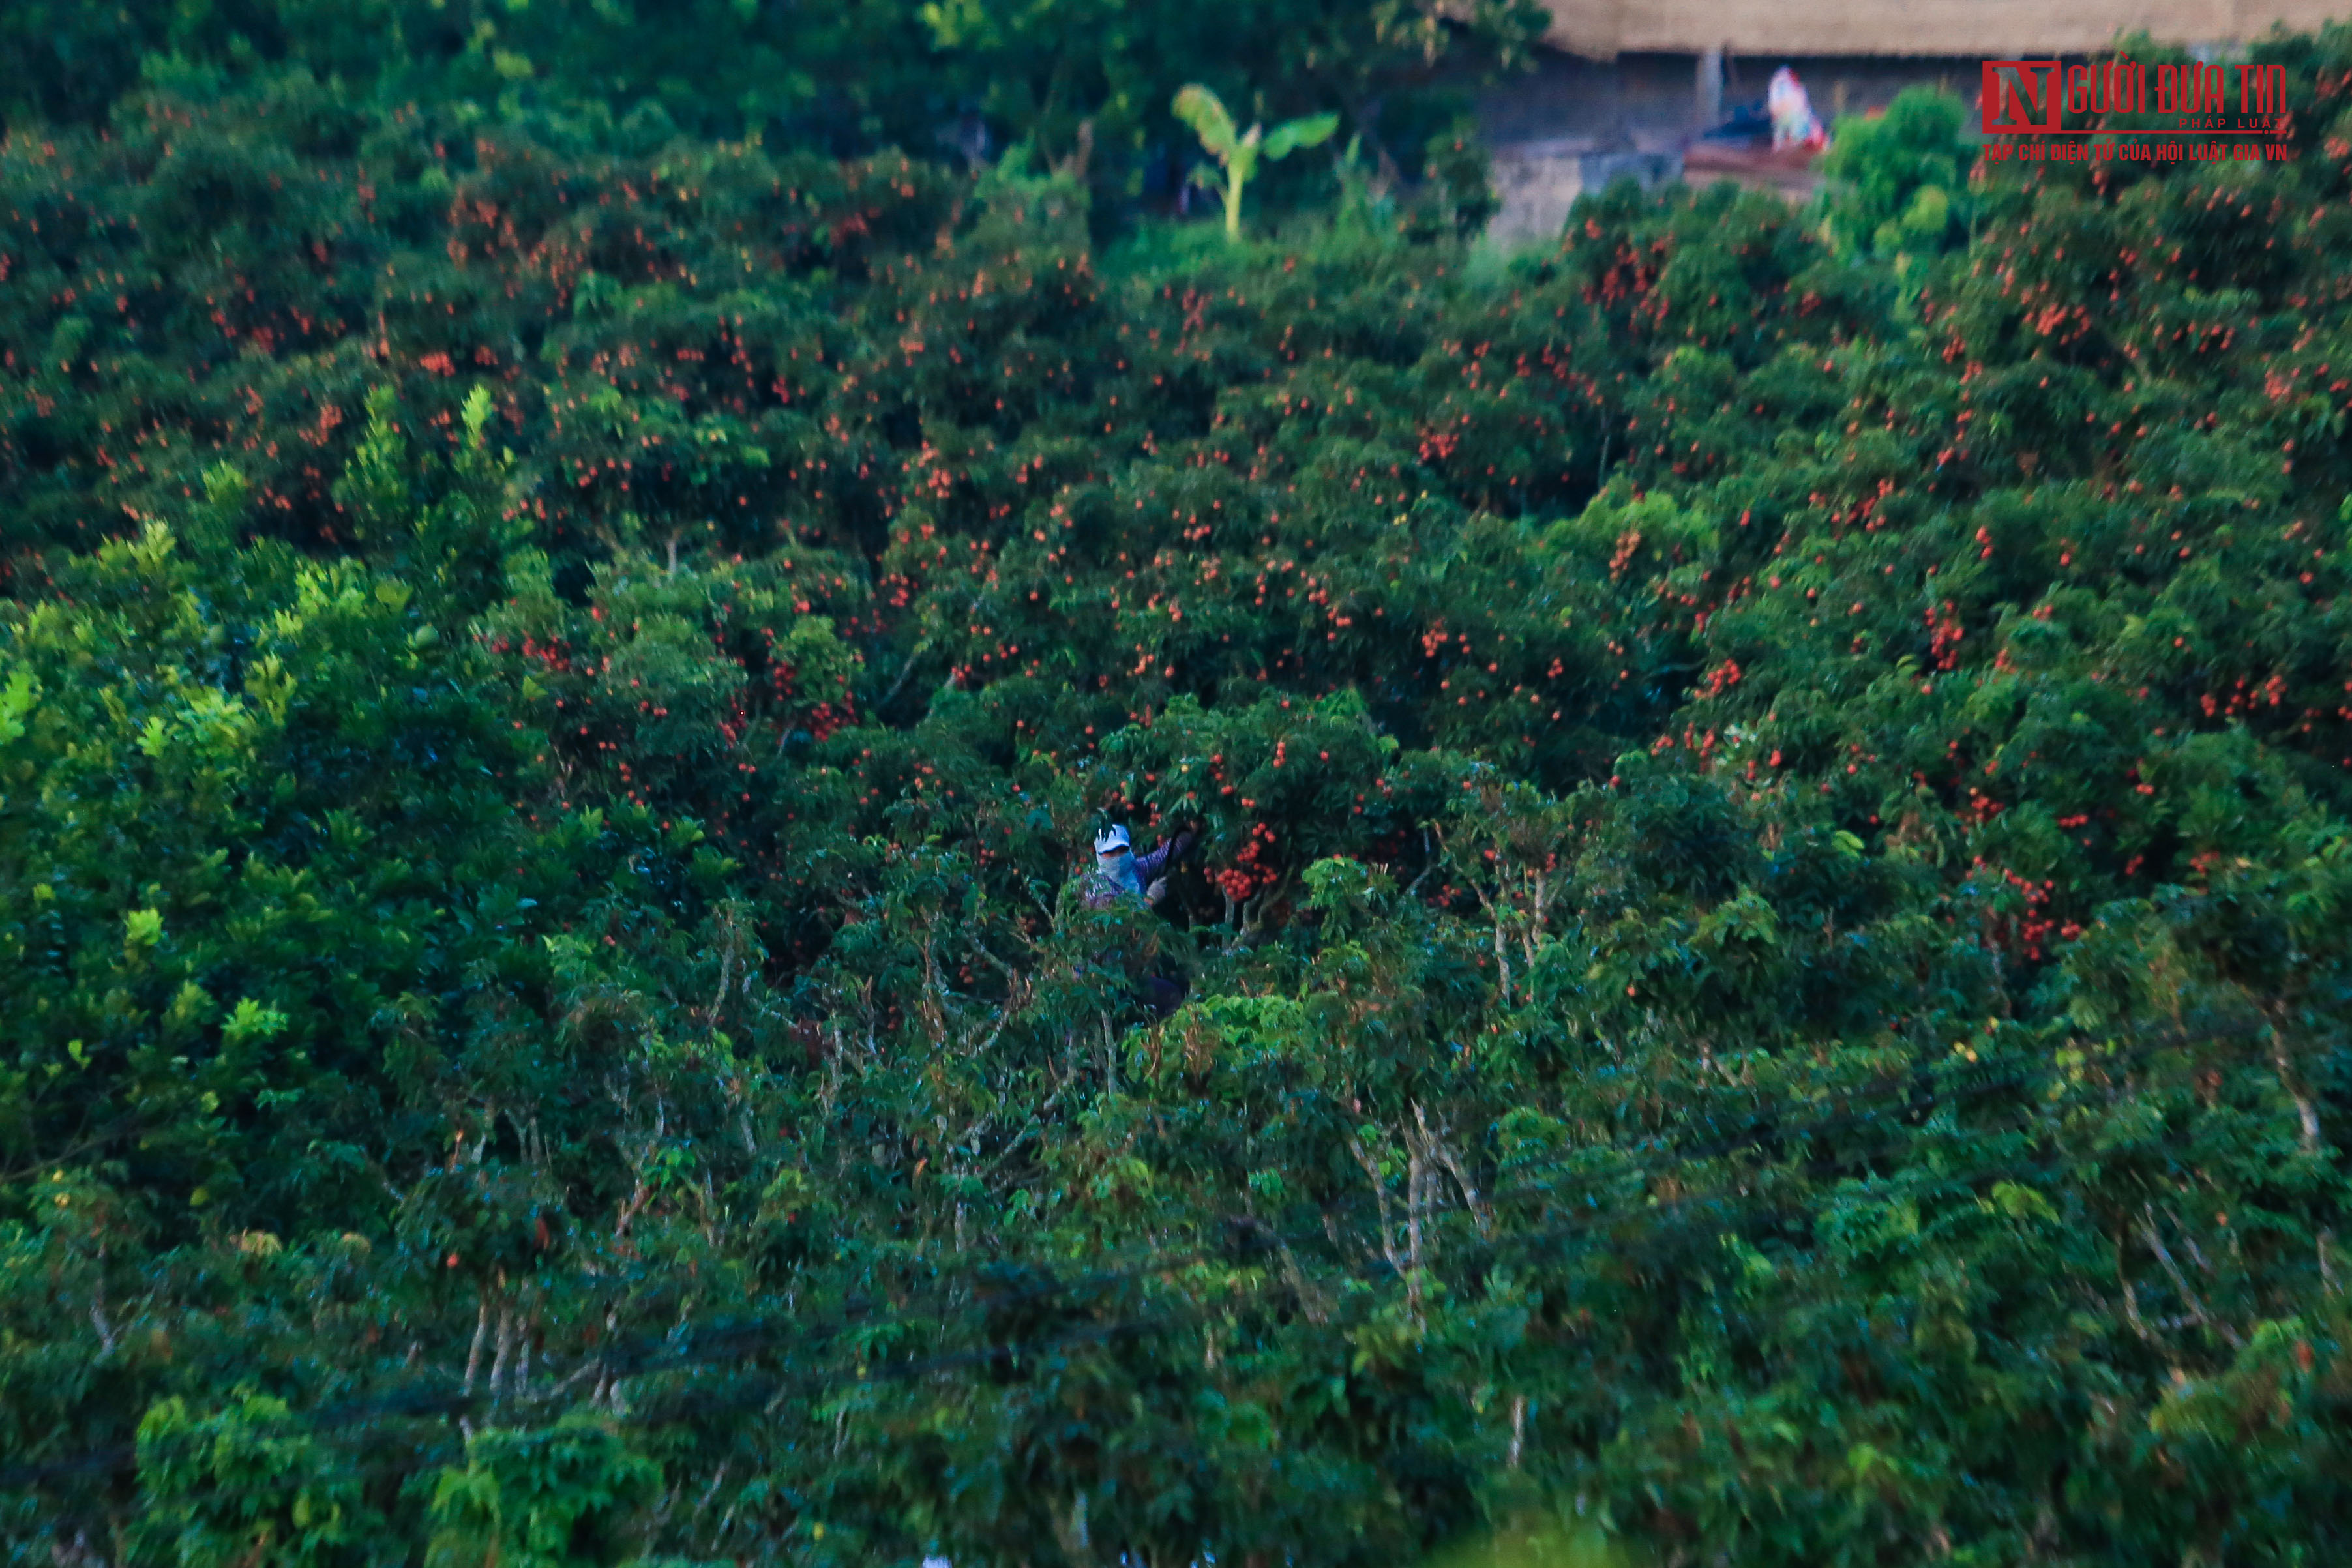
(1766, 972)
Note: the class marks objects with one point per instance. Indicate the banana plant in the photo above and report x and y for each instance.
(1238, 154)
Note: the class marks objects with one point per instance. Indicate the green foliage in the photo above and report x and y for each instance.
(1461, 176)
(855, 77)
(1899, 179)
(1763, 977)
(251, 1480)
(557, 1499)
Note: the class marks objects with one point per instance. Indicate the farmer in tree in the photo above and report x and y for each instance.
(1119, 871)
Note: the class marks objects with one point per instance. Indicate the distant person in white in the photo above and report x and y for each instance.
(1791, 107)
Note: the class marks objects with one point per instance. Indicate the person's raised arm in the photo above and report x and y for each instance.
(1163, 857)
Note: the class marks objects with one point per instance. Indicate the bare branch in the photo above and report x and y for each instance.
(2180, 1282)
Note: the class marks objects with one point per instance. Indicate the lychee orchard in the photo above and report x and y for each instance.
(759, 807)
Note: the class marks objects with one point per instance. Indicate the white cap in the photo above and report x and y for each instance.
(1111, 841)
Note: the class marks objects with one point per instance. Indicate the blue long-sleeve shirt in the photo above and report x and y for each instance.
(1132, 873)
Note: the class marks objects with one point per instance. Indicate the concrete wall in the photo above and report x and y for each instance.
(1602, 29)
(1538, 182)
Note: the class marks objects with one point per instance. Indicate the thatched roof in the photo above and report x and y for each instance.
(1995, 29)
